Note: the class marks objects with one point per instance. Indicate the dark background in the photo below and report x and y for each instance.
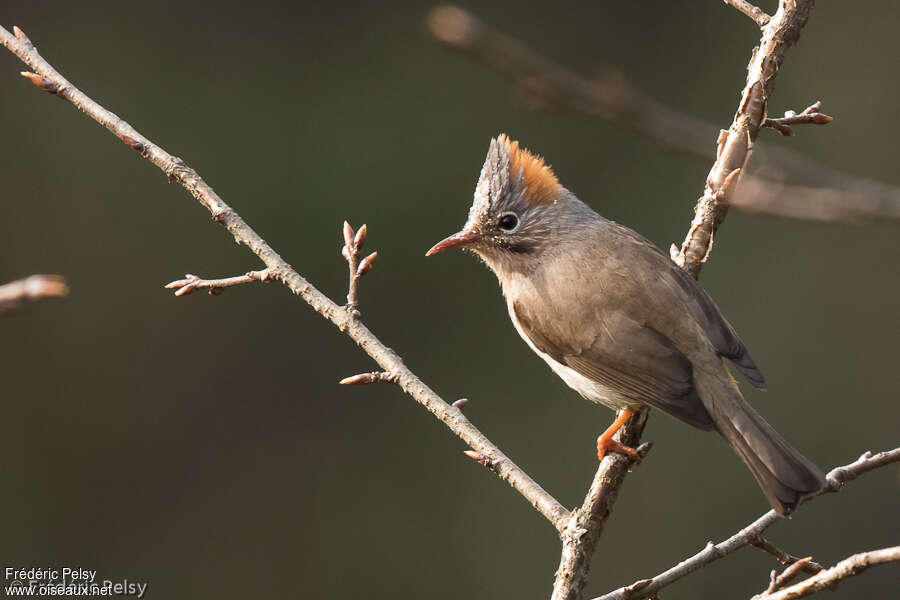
(203, 444)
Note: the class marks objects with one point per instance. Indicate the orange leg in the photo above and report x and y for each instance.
(606, 443)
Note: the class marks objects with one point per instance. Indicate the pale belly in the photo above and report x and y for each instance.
(593, 391)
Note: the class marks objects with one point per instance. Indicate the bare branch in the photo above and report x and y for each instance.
(34, 287)
(837, 477)
(783, 557)
(810, 115)
(734, 148)
(827, 579)
(736, 144)
(779, 181)
(192, 283)
(754, 12)
(278, 269)
(586, 524)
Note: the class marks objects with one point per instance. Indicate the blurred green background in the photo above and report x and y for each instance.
(203, 444)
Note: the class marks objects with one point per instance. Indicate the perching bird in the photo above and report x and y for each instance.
(616, 319)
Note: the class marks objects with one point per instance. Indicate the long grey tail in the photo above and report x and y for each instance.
(784, 475)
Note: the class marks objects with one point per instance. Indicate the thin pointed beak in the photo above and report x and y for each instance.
(461, 238)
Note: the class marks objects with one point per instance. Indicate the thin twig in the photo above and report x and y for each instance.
(176, 170)
(754, 12)
(34, 287)
(810, 115)
(776, 581)
(736, 144)
(192, 283)
(783, 557)
(352, 250)
(827, 579)
(779, 182)
(836, 478)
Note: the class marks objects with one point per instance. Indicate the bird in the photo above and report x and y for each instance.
(617, 319)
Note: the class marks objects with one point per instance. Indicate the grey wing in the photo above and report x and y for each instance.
(636, 361)
(701, 306)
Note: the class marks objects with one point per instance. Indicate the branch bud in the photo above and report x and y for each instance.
(186, 290)
(366, 264)
(42, 82)
(360, 238)
(478, 457)
(21, 35)
(132, 143)
(361, 379)
(45, 286)
(814, 107)
(723, 196)
(348, 236)
(367, 378)
(785, 130)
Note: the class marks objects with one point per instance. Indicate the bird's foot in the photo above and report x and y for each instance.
(611, 445)
(606, 443)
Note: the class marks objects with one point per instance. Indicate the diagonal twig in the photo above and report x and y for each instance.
(835, 479)
(827, 579)
(811, 115)
(192, 283)
(736, 144)
(783, 557)
(778, 581)
(278, 269)
(754, 12)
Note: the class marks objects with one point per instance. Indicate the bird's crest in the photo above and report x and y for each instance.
(541, 185)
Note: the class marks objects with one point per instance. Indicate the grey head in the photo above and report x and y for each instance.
(519, 208)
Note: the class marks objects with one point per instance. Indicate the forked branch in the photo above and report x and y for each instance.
(827, 579)
(836, 478)
(735, 145)
(811, 115)
(352, 250)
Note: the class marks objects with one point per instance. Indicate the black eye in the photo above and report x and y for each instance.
(508, 222)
